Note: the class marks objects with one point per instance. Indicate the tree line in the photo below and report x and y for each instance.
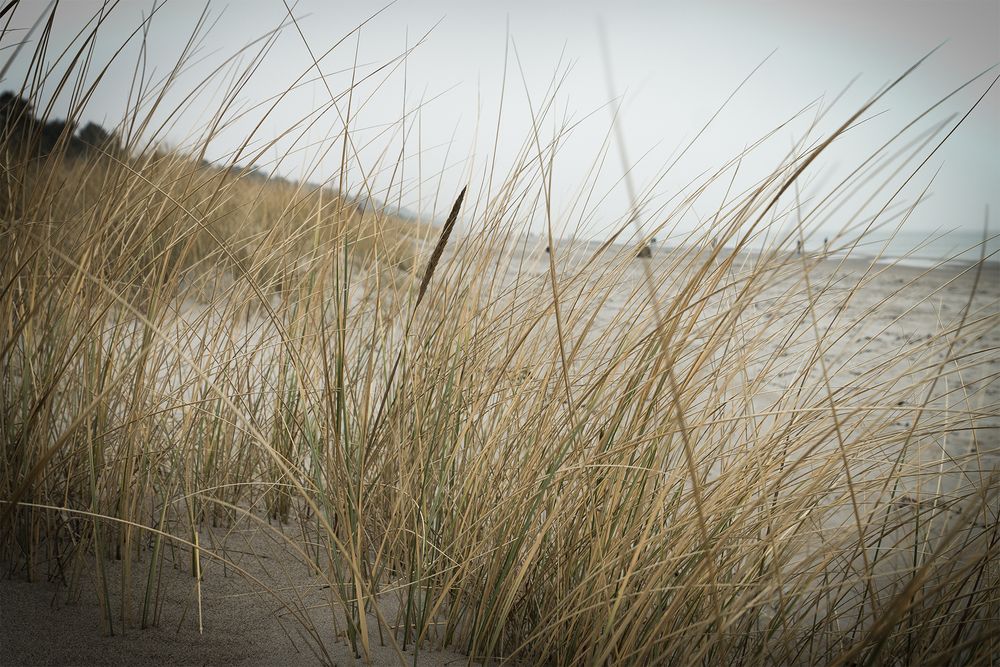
(20, 127)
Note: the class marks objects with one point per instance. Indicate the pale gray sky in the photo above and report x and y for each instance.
(673, 64)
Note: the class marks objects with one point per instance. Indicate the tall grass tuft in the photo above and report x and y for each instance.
(562, 459)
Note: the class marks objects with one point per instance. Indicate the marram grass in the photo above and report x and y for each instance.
(688, 463)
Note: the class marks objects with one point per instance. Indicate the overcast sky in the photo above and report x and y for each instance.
(672, 64)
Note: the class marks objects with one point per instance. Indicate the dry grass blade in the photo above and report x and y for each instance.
(435, 257)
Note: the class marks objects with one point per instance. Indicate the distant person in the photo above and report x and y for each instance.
(826, 246)
(645, 252)
(798, 247)
(547, 250)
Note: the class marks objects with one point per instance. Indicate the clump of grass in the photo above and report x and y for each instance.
(569, 460)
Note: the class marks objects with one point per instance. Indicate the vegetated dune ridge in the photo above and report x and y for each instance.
(45, 624)
(236, 410)
(892, 327)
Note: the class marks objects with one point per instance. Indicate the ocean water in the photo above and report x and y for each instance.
(929, 248)
(914, 248)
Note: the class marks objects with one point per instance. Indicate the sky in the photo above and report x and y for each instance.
(476, 86)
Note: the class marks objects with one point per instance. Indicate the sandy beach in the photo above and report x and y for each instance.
(241, 623)
(43, 623)
(449, 333)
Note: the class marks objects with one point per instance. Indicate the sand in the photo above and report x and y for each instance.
(40, 624)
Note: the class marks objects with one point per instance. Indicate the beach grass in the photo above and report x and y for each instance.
(566, 458)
